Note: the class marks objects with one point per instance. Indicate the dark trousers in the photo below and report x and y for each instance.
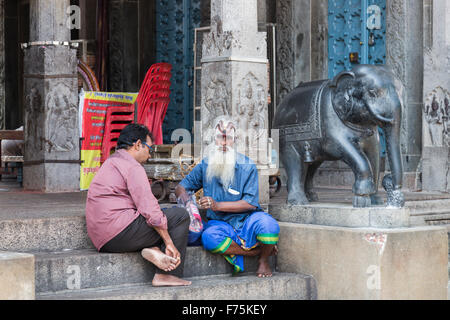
(139, 235)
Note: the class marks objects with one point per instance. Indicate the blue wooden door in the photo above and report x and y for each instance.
(356, 30)
(356, 35)
(175, 23)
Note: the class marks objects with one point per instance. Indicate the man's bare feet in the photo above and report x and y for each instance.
(163, 280)
(264, 269)
(159, 259)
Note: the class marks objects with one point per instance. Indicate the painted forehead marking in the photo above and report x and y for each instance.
(230, 129)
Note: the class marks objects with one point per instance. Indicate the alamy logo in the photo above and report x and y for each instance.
(74, 280)
(374, 277)
(74, 19)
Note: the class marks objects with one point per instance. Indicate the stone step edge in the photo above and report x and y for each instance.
(117, 291)
(54, 269)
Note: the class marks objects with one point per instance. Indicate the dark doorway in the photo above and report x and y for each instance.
(17, 31)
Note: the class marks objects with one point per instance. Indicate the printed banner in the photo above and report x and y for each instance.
(93, 107)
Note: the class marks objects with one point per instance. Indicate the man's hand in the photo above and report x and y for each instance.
(173, 252)
(209, 203)
(226, 206)
(181, 194)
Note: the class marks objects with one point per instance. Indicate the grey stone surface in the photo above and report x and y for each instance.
(341, 215)
(435, 135)
(16, 276)
(244, 287)
(319, 39)
(51, 118)
(368, 263)
(54, 270)
(435, 168)
(404, 32)
(45, 234)
(48, 20)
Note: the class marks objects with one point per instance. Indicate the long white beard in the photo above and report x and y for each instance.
(221, 165)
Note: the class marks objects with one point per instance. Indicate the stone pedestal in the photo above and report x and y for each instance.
(367, 263)
(17, 278)
(234, 79)
(342, 215)
(51, 101)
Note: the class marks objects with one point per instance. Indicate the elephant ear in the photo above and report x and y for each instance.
(341, 76)
(342, 87)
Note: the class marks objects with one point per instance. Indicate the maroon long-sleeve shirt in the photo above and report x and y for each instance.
(118, 194)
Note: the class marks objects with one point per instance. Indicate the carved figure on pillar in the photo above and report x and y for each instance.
(436, 116)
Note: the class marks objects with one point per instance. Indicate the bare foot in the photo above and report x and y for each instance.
(159, 259)
(162, 280)
(264, 269)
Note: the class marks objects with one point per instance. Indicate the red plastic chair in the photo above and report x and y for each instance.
(160, 67)
(153, 117)
(159, 89)
(154, 97)
(117, 118)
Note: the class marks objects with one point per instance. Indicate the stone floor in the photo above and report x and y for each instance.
(16, 202)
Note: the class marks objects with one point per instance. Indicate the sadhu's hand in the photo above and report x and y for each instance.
(208, 203)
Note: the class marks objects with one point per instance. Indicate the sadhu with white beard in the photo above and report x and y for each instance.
(237, 226)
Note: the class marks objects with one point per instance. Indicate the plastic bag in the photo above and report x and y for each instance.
(196, 225)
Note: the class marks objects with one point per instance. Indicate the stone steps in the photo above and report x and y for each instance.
(67, 266)
(282, 286)
(44, 234)
(82, 269)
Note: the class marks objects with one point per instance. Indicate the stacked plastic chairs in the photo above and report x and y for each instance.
(153, 99)
(117, 118)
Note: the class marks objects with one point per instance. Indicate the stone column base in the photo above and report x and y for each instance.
(52, 177)
(367, 263)
(17, 279)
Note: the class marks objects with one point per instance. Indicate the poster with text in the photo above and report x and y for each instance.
(93, 110)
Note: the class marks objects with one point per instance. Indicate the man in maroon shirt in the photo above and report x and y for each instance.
(122, 214)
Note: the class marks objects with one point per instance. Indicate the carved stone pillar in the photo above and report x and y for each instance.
(302, 43)
(436, 95)
(234, 80)
(2, 64)
(51, 101)
(302, 46)
(404, 48)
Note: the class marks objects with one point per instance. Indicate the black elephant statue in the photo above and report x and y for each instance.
(337, 119)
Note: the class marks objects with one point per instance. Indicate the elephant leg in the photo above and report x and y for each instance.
(295, 170)
(364, 185)
(310, 194)
(372, 150)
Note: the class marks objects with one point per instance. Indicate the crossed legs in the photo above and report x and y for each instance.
(259, 232)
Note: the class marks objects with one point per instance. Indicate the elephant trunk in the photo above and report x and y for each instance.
(392, 133)
(379, 117)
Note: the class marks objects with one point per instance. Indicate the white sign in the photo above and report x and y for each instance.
(374, 20)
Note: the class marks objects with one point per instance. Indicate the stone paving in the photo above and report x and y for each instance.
(18, 203)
